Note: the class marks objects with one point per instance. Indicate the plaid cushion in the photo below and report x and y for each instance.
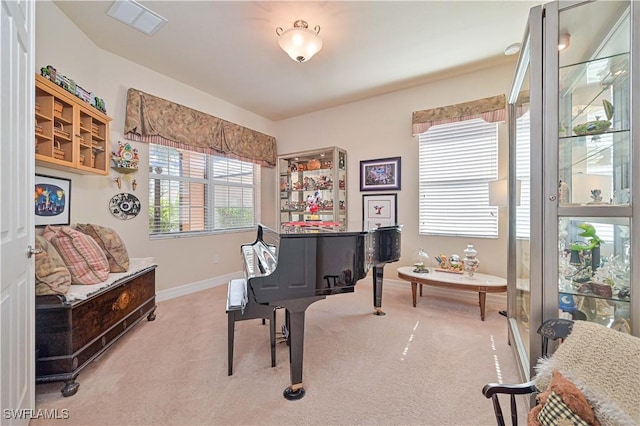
(556, 413)
(84, 258)
(111, 243)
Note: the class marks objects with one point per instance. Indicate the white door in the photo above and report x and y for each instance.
(17, 88)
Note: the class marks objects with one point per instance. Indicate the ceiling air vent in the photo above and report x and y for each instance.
(137, 16)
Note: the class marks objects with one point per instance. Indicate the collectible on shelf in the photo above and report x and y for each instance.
(125, 157)
(70, 86)
(596, 126)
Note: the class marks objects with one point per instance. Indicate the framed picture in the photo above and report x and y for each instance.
(379, 175)
(379, 210)
(52, 200)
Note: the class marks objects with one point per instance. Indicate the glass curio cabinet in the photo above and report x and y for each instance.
(313, 188)
(575, 155)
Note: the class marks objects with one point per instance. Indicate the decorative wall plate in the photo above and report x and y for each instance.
(124, 206)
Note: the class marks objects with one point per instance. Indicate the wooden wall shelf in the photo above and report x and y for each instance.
(70, 134)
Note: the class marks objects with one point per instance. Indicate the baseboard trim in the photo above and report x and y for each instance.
(185, 289)
(499, 299)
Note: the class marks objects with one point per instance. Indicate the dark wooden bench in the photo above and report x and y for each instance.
(71, 334)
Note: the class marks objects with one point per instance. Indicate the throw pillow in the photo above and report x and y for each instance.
(111, 243)
(611, 389)
(556, 413)
(570, 396)
(85, 259)
(50, 231)
(52, 275)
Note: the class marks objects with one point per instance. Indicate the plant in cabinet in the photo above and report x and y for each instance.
(596, 126)
(585, 255)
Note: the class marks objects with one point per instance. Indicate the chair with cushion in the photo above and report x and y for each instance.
(593, 378)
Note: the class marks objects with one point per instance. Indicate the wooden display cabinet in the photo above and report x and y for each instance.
(70, 134)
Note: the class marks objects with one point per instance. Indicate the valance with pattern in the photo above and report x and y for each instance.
(491, 110)
(152, 119)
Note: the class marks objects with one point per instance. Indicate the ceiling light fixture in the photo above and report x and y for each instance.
(137, 16)
(563, 41)
(300, 42)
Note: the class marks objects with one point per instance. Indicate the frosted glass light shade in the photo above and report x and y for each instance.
(300, 42)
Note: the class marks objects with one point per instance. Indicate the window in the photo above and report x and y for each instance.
(457, 160)
(195, 193)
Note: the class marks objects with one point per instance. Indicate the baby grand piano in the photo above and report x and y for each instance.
(293, 270)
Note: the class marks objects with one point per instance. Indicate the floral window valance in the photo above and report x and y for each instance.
(152, 119)
(489, 109)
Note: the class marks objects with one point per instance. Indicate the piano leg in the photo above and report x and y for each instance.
(378, 272)
(230, 336)
(296, 354)
(295, 313)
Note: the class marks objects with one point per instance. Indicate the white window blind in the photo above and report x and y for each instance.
(191, 192)
(457, 160)
(523, 174)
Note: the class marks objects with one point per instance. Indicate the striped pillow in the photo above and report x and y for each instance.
(110, 243)
(84, 258)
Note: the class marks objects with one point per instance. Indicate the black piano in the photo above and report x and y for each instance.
(294, 270)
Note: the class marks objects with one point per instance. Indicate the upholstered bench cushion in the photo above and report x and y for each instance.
(237, 294)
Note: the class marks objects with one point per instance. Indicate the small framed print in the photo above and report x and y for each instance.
(379, 175)
(52, 200)
(379, 210)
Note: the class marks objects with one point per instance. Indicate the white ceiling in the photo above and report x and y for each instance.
(230, 49)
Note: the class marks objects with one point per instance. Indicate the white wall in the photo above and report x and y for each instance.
(380, 127)
(181, 261)
(373, 128)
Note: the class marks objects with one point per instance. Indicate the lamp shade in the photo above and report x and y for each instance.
(499, 192)
(300, 42)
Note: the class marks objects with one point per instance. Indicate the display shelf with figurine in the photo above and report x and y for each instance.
(312, 187)
(70, 134)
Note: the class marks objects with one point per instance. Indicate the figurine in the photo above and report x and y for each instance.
(312, 202)
(596, 195)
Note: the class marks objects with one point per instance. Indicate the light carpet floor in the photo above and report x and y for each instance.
(414, 366)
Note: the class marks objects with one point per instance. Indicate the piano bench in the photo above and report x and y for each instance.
(240, 309)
